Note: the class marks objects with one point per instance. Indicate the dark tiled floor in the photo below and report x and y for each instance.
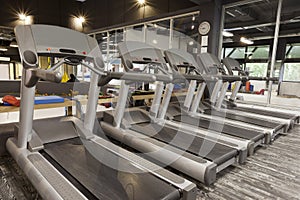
(13, 183)
(272, 173)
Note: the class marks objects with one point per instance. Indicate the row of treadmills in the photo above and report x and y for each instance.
(138, 152)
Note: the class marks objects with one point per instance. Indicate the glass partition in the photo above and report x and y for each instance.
(248, 36)
(246, 25)
(185, 34)
(158, 34)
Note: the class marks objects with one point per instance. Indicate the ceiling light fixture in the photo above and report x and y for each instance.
(25, 19)
(141, 2)
(194, 18)
(6, 59)
(227, 34)
(14, 44)
(80, 19)
(193, 27)
(2, 48)
(22, 16)
(246, 41)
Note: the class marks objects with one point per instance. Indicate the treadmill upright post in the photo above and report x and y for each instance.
(189, 96)
(90, 115)
(216, 91)
(26, 113)
(222, 95)
(197, 99)
(166, 100)
(235, 91)
(121, 104)
(157, 99)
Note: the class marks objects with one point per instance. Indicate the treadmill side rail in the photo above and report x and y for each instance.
(45, 178)
(188, 188)
(170, 156)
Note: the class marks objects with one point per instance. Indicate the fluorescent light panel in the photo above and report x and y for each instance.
(2, 48)
(141, 2)
(227, 34)
(7, 59)
(246, 41)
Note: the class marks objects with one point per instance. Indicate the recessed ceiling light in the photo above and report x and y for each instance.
(81, 19)
(141, 2)
(246, 41)
(22, 16)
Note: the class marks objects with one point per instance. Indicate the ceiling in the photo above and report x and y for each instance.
(256, 21)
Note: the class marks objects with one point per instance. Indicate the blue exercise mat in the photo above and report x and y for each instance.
(44, 100)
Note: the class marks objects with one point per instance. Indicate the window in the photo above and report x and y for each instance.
(258, 52)
(293, 51)
(291, 72)
(237, 52)
(257, 69)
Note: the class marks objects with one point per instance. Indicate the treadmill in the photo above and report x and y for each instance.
(61, 156)
(217, 108)
(233, 65)
(197, 157)
(184, 113)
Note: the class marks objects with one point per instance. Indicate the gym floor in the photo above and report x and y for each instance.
(272, 173)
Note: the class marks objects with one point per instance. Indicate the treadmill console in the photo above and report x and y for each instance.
(46, 40)
(233, 65)
(52, 41)
(181, 59)
(210, 64)
(133, 52)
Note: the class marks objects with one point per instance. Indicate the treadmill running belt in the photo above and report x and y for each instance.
(208, 149)
(250, 120)
(220, 127)
(267, 113)
(105, 182)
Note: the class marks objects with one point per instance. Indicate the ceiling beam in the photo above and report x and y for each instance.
(199, 2)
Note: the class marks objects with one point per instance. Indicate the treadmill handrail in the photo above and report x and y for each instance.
(128, 76)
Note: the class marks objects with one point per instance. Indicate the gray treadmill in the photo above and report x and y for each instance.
(210, 64)
(181, 111)
(61, 156)
(201, 157)
(233, 65)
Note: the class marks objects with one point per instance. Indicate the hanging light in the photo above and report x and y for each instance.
(141, 2)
